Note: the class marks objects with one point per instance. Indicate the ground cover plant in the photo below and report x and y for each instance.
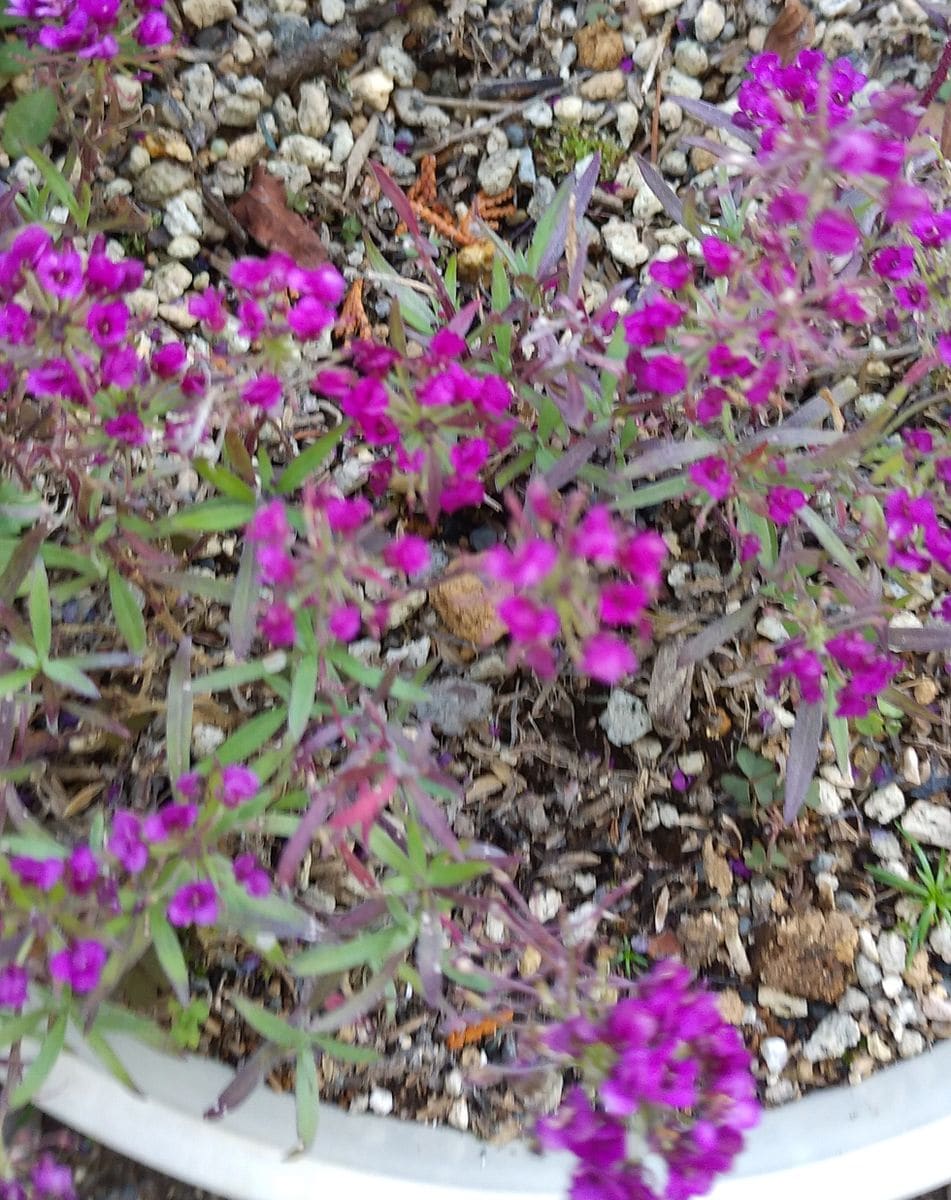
(712, 384)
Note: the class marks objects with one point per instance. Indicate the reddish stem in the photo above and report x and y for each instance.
(939, 76)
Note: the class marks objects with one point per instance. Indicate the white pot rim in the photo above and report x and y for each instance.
(885, 1139)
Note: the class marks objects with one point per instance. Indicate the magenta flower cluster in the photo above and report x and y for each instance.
(47, 1179)
(574, 573)
(863, 668)
(666, 1098)
(91, 29)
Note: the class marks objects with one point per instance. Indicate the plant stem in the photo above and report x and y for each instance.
(939, 76)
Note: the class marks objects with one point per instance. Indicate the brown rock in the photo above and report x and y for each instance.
(730, 1005)
(600, 48)
(700, 938)
(809, 954)
(467, 610)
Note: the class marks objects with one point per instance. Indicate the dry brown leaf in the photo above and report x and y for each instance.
(263, 212)
(792, 31)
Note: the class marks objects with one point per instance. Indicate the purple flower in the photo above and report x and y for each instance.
(607, 658)
(52, 1180)
(126, 842)
(82, 871)
(713, 474)
(107, 323)
(238, 783)
(41, 873)
(14, 982)
(194, 904)
(249, 872)
(834, 232)
(80, 965)
(173, 818)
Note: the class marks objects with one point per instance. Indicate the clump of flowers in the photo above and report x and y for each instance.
(665, 1097)
(94, 30)
(574, 573)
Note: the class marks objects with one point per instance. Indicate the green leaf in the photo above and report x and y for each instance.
(829, 540)
(14, 681)
(416, 310)
(839, 732)
(211, 516)
(303, 694)
(310, 461)
(30, 120)
(14, 57)
(128, 614)
(366, 949)
(222, 679)
(251, 736)
(270, 1026)
(451, 874)
(371, 677)
(24, 1025)
(178, 712)
(345, 1052)
(36, 1073)
(41, 619)
(306, 1097)
(169, 952)
(653, 493)
(68, 675)
(110, 1060)
(224, 480)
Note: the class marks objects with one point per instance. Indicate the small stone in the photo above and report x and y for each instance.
(625, 718)
(604, 85)
(332, 12)
(885, 845)
(415, 111)
(910, 767)
(830, 802)
(671, 114)
(128, 92)
(892, 986)
(453, 704)
(868, 973)
(717, 869)
(917, 974)
(546, 904)
(496, 171)
(868, 404)
(940, 941)
(181, 218)
(204, 13)
(539, 114)
(458, 1116)
(306, 151)
(730, 1006)
(170, 281)
(653, 8)
(709, 21)
(775, 1054)
(885, 804)
(466, 609)
(811, 952)
(205, 738)
(313, 109)
(878, 1047)
(911, 1044)
(183, 247)
(676, 83)
(691, 58)
(569, 109)
(161, 181)
(782, 1004)
(397, 63)
(601, 48)
(238, 112)
(834, 1034)
(832, 9)
(412, 654)
(854, 1002)
(623, 243)
(246, 149)
(381, 1101)
(772, 628)
(628, 119)
(342, 143)
(929, 823)
(892, 952)
(781, 1092)
(198, 87)
(373, 88)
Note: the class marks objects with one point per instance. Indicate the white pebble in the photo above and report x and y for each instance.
(709, 21)
(332, 12)
(775, 1054)
(313, 111)
(623, 243)
(381, 1101)
(885, 804)
(373, 88)
(625, 717)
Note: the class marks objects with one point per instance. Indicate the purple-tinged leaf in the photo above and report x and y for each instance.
(429, 945)
(242, 614)
(786, 436)
(716, 118)
(566, 469)
(582, 189)
(670, 456)
(664, 193)
(803, 756)
(930, 637)
(245, 1081)
(702, 644)
(424, 248)
(813, 412)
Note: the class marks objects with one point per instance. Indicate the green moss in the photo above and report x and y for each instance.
(559, 150)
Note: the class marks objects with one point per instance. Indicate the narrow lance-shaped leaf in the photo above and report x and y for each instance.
(38, 1071)
(662, 190)
(702, 644)
(803, 756)
(127, 612)
(306, 1097)
(178, 712)
(169, 953)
